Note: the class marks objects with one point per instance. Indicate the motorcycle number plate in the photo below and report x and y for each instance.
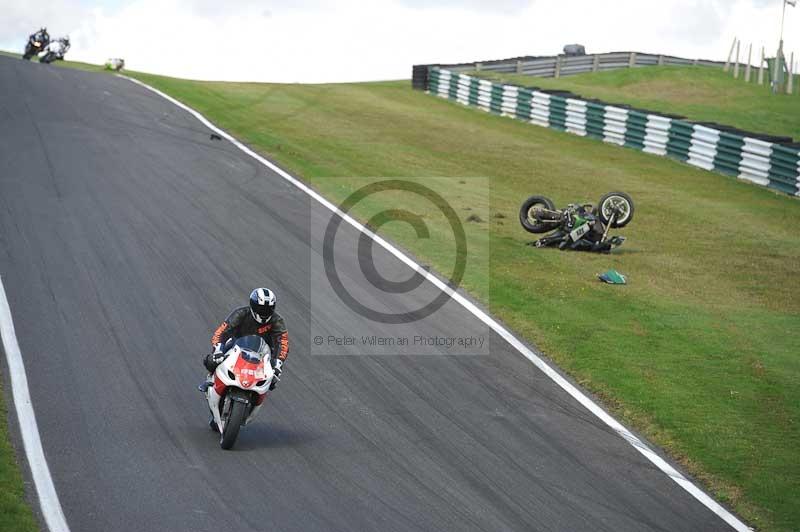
(579, 232)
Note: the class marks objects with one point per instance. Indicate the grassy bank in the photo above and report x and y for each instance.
(15, 514)
(703, 94)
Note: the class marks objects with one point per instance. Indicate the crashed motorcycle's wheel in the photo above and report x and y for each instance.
(232, 420)
(618, 202)
(529, 219)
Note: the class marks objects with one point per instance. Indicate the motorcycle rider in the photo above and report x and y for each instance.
(57, 49)
(258, 318)
(41, 37)
(63, 48)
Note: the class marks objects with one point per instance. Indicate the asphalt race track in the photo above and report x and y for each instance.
(126, 235)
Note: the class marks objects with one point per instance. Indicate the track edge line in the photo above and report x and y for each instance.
(26, 418)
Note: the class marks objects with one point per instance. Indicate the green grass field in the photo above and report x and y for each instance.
(700, 93)
(698, 352)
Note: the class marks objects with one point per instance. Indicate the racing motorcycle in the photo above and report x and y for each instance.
(55, 50)
(36, 43)
(240, 385)
(579, 226)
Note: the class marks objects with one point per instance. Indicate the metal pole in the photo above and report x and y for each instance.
(790, 84)
(749, 60)
(783, 16)
(777, 74)
(761, 68)
(728, 62)
(736, 65)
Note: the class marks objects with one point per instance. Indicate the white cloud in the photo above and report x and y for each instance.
(315, 40)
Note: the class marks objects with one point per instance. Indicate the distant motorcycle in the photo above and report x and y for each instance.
(36, 43)
(582, 227)
(240, 385)
(55, 50)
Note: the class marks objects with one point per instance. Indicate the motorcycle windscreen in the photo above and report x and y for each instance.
(253, 348)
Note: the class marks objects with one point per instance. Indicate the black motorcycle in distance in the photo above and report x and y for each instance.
(36, 43)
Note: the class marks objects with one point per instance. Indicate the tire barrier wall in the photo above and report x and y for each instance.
(766, 160)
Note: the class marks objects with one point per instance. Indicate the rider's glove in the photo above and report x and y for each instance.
(278, 369)
(210, 363)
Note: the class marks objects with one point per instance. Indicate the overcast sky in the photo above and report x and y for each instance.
(353, 40)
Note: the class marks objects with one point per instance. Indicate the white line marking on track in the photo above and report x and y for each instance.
(46, 491)
(578, 395)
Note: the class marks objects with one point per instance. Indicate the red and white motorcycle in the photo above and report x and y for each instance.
(240, 385)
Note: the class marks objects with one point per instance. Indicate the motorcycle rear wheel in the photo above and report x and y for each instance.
(232, 424)
(616, 200)
(529, 220)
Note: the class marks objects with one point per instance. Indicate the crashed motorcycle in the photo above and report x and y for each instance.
(36, 43)
(240, 385)
(55, 50)
(580, 227)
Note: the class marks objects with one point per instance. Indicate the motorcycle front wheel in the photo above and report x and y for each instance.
(529, 219)
(619, 203)
(231, 424)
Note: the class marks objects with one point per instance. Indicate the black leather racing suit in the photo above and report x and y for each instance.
(240, 323)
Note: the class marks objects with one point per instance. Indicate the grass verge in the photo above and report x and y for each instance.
(15, 514)
(703, 94)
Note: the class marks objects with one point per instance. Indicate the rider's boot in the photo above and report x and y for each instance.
(203, 386)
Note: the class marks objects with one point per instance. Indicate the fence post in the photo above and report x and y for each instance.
(595, 63)
(761, 68)
(660, 60)
(558, 67)
(632, 60)
(790, 84)
(736, 66)
(728, 62)
(519, 66)
(747, 68)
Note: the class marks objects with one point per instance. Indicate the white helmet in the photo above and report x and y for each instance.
(262, 304)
